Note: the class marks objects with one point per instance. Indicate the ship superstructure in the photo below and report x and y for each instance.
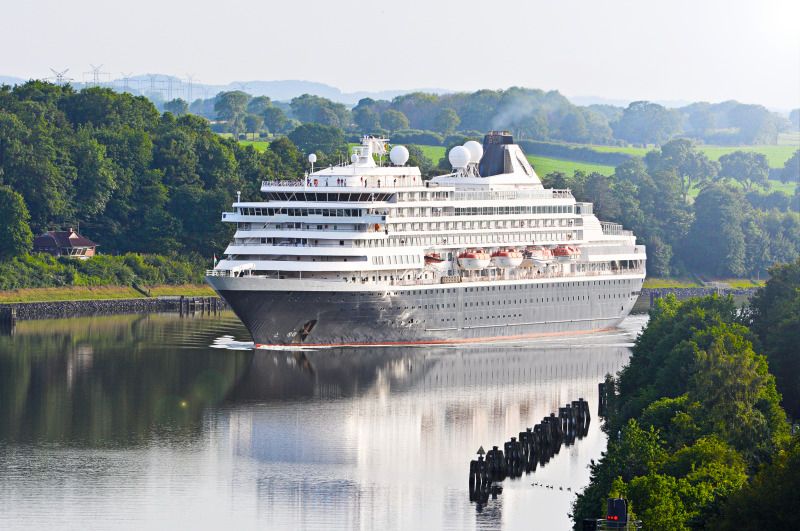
(371, 253)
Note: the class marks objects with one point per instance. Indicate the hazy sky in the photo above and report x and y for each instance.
(667, 50)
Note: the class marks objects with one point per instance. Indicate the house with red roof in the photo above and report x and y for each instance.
(65, 243)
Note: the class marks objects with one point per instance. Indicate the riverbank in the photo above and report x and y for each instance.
(650, 295)
(24, 311)
(79, 293)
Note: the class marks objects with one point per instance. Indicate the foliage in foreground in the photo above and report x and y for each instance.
(45, 271)
(696, 430)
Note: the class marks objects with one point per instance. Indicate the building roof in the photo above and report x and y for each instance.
(63, 239)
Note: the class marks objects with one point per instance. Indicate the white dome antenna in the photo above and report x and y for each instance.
(459, 157)
(312, 158)
(399, 155)
(475, 151)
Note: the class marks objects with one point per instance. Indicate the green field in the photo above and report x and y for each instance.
(259, 145)
(777, 155)
(542, 165)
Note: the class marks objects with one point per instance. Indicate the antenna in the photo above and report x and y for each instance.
(189, 81)
(96, 75)
(60, 77)
(126, 81)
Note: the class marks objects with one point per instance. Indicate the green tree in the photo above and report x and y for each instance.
(258, 105)
(769, 501)
(791, 169)
(446, 121)
(178, 107)
(644, 122)
(16, 238)
(718, 210)
(231, 107)
(309, 108)
(253, 124)
(367, 119)
(313, 137)
(275, 119)
(394, 120)
(692, 167)
(746, 167)
(775, 318)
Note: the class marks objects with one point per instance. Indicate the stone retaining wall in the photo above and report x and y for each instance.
(59, 309)
(649, 295)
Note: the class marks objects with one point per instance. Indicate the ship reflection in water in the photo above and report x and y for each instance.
(138, 422)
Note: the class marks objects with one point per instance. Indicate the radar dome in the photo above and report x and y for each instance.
(353, 158)
(459, 157)
(312, 158)
(399, 155)
(475, 151)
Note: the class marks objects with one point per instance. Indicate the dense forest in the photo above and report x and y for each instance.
(131, 178)
(698, 437)
(531, 114)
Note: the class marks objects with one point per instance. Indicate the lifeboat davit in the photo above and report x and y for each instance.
(539, 255)
(507, 258)
(566, 252)
(474, 259)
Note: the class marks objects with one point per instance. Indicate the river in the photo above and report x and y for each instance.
(163, 422)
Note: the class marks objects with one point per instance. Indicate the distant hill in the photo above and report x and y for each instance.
(11, 80)
(164, 87)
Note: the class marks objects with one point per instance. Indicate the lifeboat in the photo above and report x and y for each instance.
(433, 258)
(566, 252)
(539, 255)
(507, 258)
(474, 259)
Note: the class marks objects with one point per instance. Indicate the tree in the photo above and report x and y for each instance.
(394, 120)
(775, 318)
(644, 122)
(366, 119)
(769, 501)
(16, 237)
(313, 137)
(718, 210)
(178, 107)
(746, 167)
(231, 107)
(691, 166)
(446, 121)
(417, 158)
(275, 119)
(791, 169)
(258, 105)
(253, 124)
(309, 108)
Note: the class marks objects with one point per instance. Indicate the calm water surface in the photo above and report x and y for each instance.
(162, 422)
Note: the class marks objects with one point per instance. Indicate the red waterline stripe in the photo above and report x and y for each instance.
(438, 341)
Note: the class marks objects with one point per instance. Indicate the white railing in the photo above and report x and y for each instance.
(487, 195)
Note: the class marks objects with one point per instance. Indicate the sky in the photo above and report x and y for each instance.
(676, 50)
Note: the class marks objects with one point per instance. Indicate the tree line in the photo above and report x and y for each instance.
(531, 114)
(734, 227)
(696, 421)
(133, 179)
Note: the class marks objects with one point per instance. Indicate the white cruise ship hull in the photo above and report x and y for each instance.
(320, 313)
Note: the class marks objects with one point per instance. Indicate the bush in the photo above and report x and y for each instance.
(46, 271)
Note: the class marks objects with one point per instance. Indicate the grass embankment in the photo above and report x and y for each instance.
(82, 293)
(259, 145)
(667, 283)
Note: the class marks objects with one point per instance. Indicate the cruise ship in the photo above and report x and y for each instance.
(370, 253)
